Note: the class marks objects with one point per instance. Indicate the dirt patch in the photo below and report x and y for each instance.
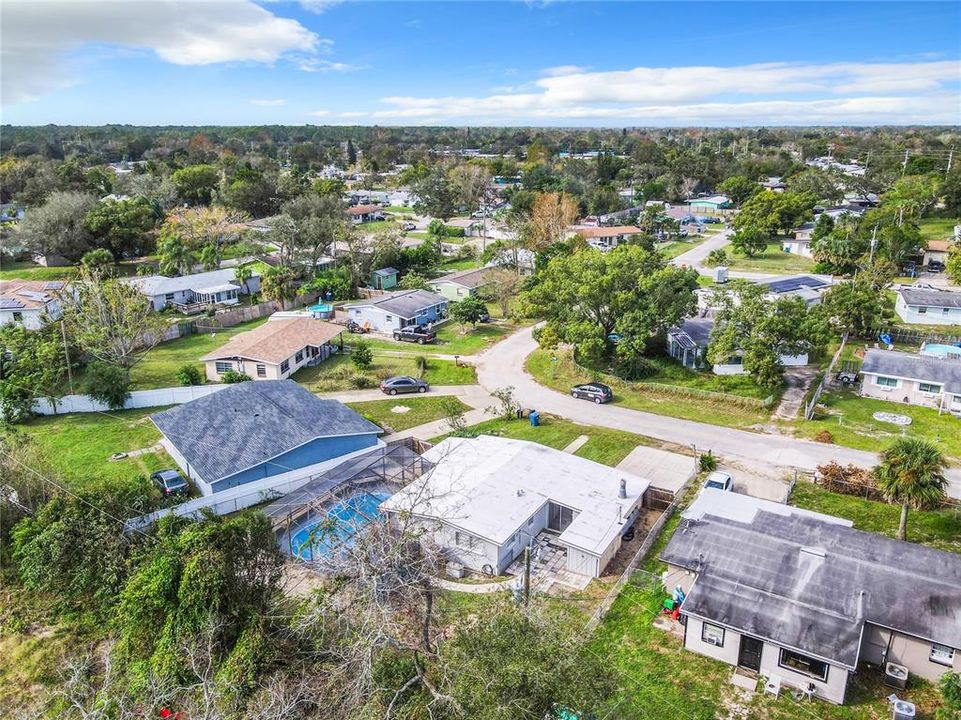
(642, 526)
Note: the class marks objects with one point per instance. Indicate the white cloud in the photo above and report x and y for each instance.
(269, 103)
(770, 93)
(40, 37)
(320, 113)
(319, 6)
(314, 64)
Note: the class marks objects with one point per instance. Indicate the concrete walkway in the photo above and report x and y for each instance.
(503, 365)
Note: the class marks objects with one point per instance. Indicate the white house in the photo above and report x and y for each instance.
(936, 251)
(800, 244)
(396, 310)
(29, 302)
(807, 599)
(192, 292)
(928, 307)
(687, 343)
(914, 379)
(365, 213)
(605, 238)
(487, 498)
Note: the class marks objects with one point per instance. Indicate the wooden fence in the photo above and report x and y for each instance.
(811, 402)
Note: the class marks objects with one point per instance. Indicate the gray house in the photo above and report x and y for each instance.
(928, 307)
(807, 599)
(254, 430)
(395, 310)
(191, 293)
(914, 379)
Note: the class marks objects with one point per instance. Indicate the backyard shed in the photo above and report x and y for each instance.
(384, 279)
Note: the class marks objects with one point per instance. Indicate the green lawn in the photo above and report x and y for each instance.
(377, 226)
(848, 417)
(79, 446)
(159, 368)
(26, 270)
(419, 410)
(938, 228)
(455, 265)
(672, 249)
(938, 528)
(562, 374)
(399, 210)
(605, 446)
(339, 373)
(450, 340)
(773, 260)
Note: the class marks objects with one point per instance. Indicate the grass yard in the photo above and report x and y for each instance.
(773, 260)
(399, 210)
(159, 368)
(450, 340)
(605, 446)
(561, 375)
(672, 249)
(454, 265)
(339, 373)
(938, 228)
(419, 410)
(79, 446)
(369, 228)
(848, 417)
(26, 270)
(940, 529)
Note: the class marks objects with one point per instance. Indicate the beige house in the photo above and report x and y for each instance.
(605, 238)
(30, 303)
(925, 379)
(806, 600)
(275, 350)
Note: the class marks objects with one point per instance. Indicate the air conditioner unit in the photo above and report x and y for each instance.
(895, 675)
(902, 710)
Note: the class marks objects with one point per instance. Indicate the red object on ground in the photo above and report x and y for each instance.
(676, 615)
(166, 713)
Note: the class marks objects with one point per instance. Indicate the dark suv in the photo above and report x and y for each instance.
(415, 334)
(598, 392)
(170, 482)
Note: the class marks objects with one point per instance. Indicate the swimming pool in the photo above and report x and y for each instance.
(940, 351)
(337, 528)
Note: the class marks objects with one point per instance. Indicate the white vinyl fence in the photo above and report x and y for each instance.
(138, 399)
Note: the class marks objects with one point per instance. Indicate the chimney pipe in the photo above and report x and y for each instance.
(622, 493)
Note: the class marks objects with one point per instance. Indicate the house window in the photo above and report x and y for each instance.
(530, 520)
(942, 655)
(17, 316)
(223, 367)
(945, 311)
(460, 291)
(929, 388)
(922, 310)
(464, 540)
(712, 634)
(817, 669)
(284, 366)
(299, 356)
(261, 371)
(390, 318)
(559, 517)
(886, 381)
(169, 297)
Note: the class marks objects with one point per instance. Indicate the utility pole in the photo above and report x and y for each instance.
(904, 163)
(950, 159)
(874, 242)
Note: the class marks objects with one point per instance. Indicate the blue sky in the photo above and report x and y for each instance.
(471, 63)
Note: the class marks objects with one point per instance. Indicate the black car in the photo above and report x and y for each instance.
(170, 482)
(415, 333)
(598, 392)
(935, 266)
(404, 384)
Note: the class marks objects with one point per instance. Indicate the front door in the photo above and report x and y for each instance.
(749, 655)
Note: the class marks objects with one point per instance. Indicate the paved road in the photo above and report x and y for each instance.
(503, 365)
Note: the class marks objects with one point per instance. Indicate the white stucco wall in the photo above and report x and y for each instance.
(931, 316)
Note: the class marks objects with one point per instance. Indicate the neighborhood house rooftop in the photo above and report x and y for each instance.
(891, 363)
(490, 486)
(808, 581)
(405, 303)
(931, 298)
(207, 281)
(466, 278)
(277, 340)
(27, 294)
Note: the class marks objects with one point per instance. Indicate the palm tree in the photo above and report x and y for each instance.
(242, 274)
(911, 473)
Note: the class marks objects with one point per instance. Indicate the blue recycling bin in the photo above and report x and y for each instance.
(535, 418)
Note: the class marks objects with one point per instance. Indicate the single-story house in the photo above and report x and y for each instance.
(486, 498)
(30, 302)
(688, 343)
(524, 262)
(936, 250)
(808, 287)
(395, 310)
(384, 279)
(712, 203)
(365, 213)
(928, 307)
(275, 350)
(914, 379)
(254, 430)
(800, 244)
(458, 285)
(773, 183)
(190, 293)
(807, 598)
(605, 238)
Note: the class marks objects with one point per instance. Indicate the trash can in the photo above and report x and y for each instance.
(535, 418)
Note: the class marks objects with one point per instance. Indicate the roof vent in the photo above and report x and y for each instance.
(622, 493)
(520, 492)
(814, 551)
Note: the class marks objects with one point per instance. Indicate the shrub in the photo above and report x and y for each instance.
(824, 436)
(707, 462)
(422, 364)
(189, 375)
(547, 337)
(457, 232)
(232, 376)
(361, 356)
(715, 258)
(634, 367)
(107, 383)
(362, 382)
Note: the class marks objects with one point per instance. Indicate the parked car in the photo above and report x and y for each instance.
(598, 392)
(404, 384)
(408, 226)
(478, 214)
(170, 482)
(415, 334)
(935, 266)
(711, 220)
(720, 480)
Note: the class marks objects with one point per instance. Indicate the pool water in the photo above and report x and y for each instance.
(941, 351)
(345, 519)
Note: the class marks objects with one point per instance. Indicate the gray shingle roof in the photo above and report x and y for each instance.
(931, 298)
(891, 363)
(242, 426)
(475, 277)
(153, 285)
(405, 304)
(699, 330)
(807, 583)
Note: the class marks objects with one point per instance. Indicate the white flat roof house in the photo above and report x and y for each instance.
(928, 307)
(192, 292)
(486, 498)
